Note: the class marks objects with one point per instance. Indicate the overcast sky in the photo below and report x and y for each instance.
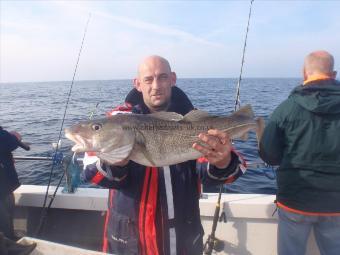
(40, 40)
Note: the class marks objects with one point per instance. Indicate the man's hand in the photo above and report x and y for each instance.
(23, 145)
(216, 147)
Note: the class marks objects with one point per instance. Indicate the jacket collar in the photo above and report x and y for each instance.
(317, 77)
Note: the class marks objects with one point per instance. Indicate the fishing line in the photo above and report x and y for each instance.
(212, 243)
(44, 209)
(93, 112)
(74, 157)
(237, 98)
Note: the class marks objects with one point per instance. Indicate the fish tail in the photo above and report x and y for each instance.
(245, 111)
(259, 129)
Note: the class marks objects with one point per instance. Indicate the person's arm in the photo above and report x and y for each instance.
(272, 142)
(8, 141)
(211, 175)
(107, 176)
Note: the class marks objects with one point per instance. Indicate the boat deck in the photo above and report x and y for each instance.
(77, 219)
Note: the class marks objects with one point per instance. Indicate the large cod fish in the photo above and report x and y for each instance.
(157, 139)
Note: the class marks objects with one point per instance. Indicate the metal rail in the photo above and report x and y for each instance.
(38, 158)
(251, 164)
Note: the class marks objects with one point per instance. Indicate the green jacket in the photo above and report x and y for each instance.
(303, 138)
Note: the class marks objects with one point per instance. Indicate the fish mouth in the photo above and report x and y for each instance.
(81, 143)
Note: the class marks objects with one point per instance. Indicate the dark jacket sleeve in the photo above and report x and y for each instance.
(9, 178)
(8, 142)
(272, 141)
(106, 176)
(211, 175)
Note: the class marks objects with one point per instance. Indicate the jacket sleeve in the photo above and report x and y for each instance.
(105, 175)
(8, 142)
(272, 141)
(211, 175)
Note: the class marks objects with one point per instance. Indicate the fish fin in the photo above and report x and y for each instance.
(166, 116)
(147, 155)
(139, 138)
(259, 129)
(196, 115)
(245, 111)
(117, 155)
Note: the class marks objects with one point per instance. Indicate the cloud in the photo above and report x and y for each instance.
(135, 23)
(40, 40)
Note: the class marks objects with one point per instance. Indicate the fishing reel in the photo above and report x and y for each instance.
(57, 158)
(72, 173)
(211, 244)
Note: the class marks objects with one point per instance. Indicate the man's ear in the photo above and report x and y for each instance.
(136, 84)
(173, 78)
(305, 76)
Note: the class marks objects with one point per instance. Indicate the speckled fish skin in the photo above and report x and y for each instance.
(158, 139)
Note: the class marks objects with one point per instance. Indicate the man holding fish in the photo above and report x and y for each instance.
(148, 160)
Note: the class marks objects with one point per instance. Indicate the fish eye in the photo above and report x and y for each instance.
(96, 126)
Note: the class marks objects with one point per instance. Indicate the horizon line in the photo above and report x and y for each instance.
(130, 79)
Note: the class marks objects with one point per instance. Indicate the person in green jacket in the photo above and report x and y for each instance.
(302, 136)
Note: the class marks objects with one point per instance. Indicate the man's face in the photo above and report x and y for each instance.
(155, 81)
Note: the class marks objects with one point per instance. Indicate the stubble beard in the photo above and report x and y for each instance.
(160, 107)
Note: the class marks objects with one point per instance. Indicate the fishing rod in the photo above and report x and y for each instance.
(212, 243)
(33, 158)
(45, 209)
(237, 98)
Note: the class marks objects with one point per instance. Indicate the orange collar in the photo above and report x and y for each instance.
(317, 77)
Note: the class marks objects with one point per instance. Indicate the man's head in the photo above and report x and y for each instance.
(154, 81)
(319, 63)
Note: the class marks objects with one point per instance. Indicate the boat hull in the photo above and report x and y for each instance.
(78, 219)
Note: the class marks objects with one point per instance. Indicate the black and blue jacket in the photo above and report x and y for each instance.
(156, 210)
(8, 176)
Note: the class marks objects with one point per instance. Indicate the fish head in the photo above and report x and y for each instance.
(97, 135)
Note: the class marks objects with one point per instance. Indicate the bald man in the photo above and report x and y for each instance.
(156, 210)
(155, 80)
(302, 137)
